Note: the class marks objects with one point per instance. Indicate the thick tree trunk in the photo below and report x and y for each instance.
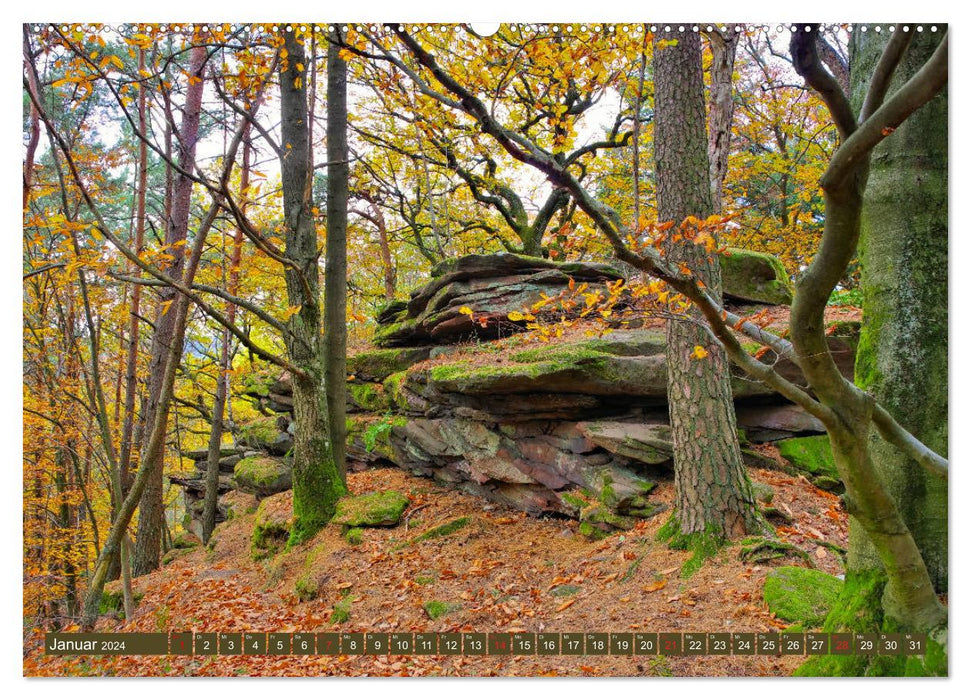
(901, 596)
(317, 481)
(151, 510)
(902, 359)
(713, 494)
(335, 272)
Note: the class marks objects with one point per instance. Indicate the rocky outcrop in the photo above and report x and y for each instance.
(576, 427)
(490, 285)
(194, 485)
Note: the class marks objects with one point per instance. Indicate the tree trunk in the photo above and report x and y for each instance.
(317, 481)
(902, 359)
(901, 596)
(721, 109)
(713, 494)
(211, 499)
(335, 272)
(151, 510)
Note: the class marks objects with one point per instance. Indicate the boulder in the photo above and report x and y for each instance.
(813, 457)
(748, 276)
(375, 509)
(267, 433)
(801, 595)
(263, 476)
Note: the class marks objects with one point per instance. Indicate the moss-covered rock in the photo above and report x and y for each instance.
(798, 594)
(597, 521)
(263, 476)
(367, 396)
(755, 277)
(859, 608)
(265, 433)
(378, 365)
(375, 509)
(813, 456)
(271, 528)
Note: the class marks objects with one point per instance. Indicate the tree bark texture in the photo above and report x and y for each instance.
(712, 489)
(902, 358)
(335, 271)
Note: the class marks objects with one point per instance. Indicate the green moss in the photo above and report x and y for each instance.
(593, 532)
(798, 594)
(305, 588)
(757, 277)
(527, 365)
(354, 536)
(377, 435)
(369, 396)
(376, 509)
(258, 383)
(377, 365)
(563, 354)
(597, 521)
(260, 431)
(173, 553)
(702, 545)
(317, 488)
(270, 532)
(859, 608)
(436, 608)
(812, 456)
(391, 333)
(262, 473)
(565, 590)
(444, 530)
(763, 493)
(342, 611)
(573, 500)
(113, 601)
(866, 371)
(392, 389)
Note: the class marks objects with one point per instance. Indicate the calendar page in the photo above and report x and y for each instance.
(511, 348)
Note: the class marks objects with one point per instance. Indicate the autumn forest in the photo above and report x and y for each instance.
(542, 335)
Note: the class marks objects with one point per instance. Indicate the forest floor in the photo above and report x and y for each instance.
(503, 572)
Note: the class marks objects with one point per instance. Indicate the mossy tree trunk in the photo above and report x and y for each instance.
(901, 596)
(713, 494)
(902, 360)
(317, 481)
